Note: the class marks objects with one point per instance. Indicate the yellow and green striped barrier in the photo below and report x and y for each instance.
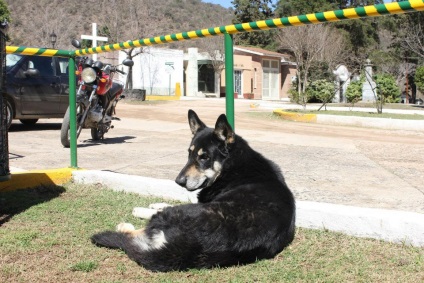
(38, 51)
(313, 18)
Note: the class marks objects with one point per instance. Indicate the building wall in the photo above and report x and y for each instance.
(288, 74)
(252, 75)
(157, 70)
(244, 64)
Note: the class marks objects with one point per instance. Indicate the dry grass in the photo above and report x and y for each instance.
(44, 237)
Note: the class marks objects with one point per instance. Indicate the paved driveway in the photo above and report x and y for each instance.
(336, 164)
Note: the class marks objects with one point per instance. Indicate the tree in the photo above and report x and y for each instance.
(250, 11)
(4, 12)
(115, 29)
(411, 36)
(216, 52)
(419, 78)
(362, 34)
(285, 8)
(131, 53)
(319, 43)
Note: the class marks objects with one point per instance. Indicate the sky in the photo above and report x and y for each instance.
(223, 3)
(227, 3)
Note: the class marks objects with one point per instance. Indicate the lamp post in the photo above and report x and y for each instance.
(53, 38)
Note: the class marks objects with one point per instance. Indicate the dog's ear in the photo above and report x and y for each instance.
(223, 130)
(195, 123)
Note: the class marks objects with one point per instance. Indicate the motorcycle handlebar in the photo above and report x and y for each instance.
(122, 72)
(115, 69)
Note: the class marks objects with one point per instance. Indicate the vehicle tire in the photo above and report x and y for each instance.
(65, 129)
(28, 122)
(9, 113)
(96, 134)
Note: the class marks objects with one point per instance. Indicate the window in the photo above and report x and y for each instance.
(43, 65)
(237, 82)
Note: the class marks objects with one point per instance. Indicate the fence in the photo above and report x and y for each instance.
(227, 31)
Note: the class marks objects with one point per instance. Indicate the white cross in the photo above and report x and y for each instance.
(94, 38)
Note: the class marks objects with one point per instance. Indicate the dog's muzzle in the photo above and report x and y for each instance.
(191, 184)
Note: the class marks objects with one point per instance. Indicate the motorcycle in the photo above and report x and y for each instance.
(96, 98)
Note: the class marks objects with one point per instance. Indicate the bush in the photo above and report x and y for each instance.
(387, 89)
(419, 78)
(322, 90)
(294, 95)
(354, 92)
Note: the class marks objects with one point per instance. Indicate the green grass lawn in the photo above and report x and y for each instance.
(44, 237)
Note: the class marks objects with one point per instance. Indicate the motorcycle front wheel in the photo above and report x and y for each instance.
(65, 129)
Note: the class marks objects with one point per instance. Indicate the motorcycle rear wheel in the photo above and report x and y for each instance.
(65, 129)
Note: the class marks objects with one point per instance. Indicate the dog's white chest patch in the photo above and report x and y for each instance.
(156, 242)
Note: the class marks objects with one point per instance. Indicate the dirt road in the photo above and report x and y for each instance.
(346, 165)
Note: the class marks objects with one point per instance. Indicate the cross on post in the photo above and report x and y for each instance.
(94, 38)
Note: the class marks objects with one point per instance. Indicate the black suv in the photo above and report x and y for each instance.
(36, 87)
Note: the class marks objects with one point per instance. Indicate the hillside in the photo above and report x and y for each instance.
(119, 20)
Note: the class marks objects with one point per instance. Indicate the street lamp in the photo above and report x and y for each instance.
(53, 38)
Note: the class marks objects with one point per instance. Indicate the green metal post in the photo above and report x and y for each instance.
(229, 78)
(72, 112)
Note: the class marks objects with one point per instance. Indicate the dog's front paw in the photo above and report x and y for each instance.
(159, 206)
(125, 227)
(144, 213)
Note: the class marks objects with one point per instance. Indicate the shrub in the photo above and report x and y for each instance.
(354, 92)
(419, 78)
(323, 90)
(387, 89)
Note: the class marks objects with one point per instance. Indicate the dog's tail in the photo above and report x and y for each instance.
(111, 239)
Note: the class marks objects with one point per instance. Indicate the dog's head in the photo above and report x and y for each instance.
(207, 152)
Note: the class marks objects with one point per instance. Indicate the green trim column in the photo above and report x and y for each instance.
(72, 112)
(229, 78)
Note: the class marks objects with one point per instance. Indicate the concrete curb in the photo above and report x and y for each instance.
(389, 225)
(297, 117)
(135, 184)
(162, 97)
(381, 123)
(33, 178)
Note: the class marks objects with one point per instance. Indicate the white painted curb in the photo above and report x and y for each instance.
(382, 123)
(389, 225)
(135, 184)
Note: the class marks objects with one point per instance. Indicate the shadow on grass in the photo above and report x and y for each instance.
(15, 202)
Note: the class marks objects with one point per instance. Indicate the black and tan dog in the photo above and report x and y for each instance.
(245, 211)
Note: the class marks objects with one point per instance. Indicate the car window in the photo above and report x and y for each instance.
(11, 60)
(42, 64)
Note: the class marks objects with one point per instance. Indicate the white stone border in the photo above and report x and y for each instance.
(382, 123)
(389, 225)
